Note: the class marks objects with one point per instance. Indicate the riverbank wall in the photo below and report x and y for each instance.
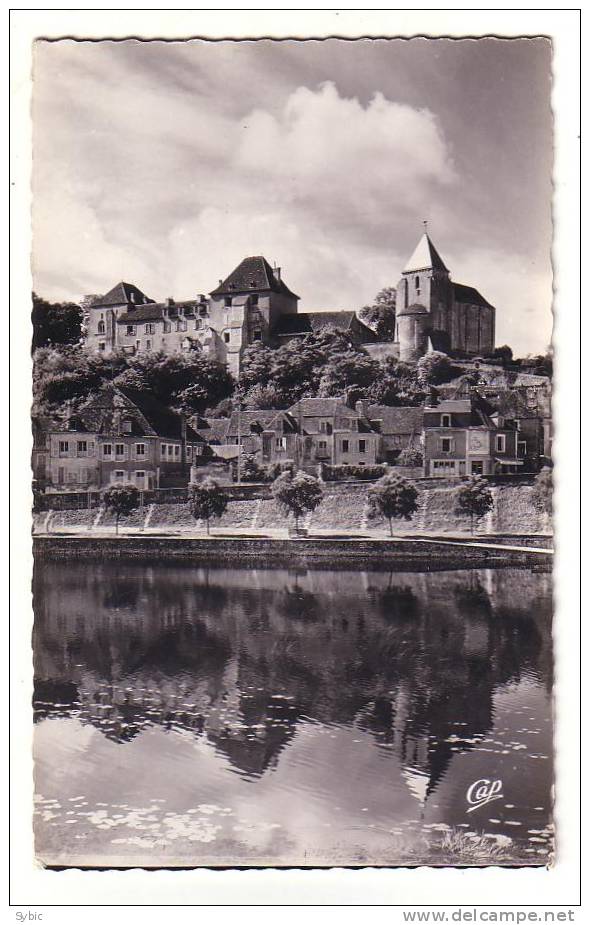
(331, 552)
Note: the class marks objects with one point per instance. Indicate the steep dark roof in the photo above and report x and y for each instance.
(403, 420)
(253, 274)
(468, 295)
(122, 294)
(319, 407)
(313, 322)
(149, 417)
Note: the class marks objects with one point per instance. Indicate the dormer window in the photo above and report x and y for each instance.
(127, 427)
(445, 420)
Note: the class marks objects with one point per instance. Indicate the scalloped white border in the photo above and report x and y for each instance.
(32, 887)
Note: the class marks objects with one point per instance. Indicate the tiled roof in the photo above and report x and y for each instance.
(156, 311)
(122, 294)
(149, 417)
(468, 295)
(318, 407)
(314, 322)
(402, 420)
(414, 309)
(213, 429)
(425, 257)
(292, 324)
(253, 274)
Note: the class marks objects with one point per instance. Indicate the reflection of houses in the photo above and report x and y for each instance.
(241, 656)
(121, 436)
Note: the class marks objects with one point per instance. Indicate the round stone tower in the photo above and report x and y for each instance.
(413, 325)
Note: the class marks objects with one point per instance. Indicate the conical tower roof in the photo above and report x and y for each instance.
(425, 257)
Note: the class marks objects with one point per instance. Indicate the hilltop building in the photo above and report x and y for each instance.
(435, 313)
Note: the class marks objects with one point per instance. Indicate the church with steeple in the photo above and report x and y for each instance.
(435, 313)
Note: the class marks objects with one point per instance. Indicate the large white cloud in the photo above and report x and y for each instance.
(142, 174)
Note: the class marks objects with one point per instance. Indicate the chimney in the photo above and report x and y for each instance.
(221, 282)
(432, 400)
(277, 273)
(169, 301)
(362, 407)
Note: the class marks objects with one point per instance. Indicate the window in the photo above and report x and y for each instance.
(163, 450)
(119, 450)
(445, 420)
(82, 448)
(254, 298)
(101, 327)
(227, 301)
(501, 443)
(177, 451)
(188, 452)
(345, 445)
(130, 331)
(362, 446)
(322, 444)
(150, 329)
(181, 325)
(140, 449)
(138, 344)
(64, 447)
(226, 336)
(119, 475)
(521, 449)
(127, 427)
(443, 466)
(198, 324)
(477, 468)
(446, 445)
(148, 345)
(257, 334)
(140, 477)
(107, 449)
(167, 327)
(71, 476)
(102, 346)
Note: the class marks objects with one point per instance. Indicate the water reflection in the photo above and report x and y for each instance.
(243, 659)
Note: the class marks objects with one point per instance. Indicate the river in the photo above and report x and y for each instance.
(189, 716)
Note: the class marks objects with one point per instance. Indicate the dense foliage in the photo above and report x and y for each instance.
(55, 322)
(410, 456)
(121, 500)
(297, 494)
(189, 382)
(207, 499)
(343, 473)
(325, 364)
(435, 368)
(542, 494)
(474, 497)
(393, 497)
(380, 316)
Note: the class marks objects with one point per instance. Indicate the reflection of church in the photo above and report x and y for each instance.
(230, 655)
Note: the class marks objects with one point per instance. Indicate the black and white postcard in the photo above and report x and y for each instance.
(292, 410)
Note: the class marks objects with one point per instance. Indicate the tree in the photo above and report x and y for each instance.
(474, 498)
(55, 323)
(542, 494)
(186, 379)
(251, 470)
(503, 353)
(346, 371)
(393, 497)
(410, 456)
(121, 499)
(435, 368)
(380, 316)
(207, 499)
(297, 494)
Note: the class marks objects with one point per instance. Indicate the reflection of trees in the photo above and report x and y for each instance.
(242, 656)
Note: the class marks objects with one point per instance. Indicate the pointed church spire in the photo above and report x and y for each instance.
(425, 256)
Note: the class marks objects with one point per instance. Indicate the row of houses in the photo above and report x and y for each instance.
(123, 436)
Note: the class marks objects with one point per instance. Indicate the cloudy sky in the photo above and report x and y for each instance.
(164, 164)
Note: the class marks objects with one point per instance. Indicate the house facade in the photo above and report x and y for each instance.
(121, 437)
(466, 437)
